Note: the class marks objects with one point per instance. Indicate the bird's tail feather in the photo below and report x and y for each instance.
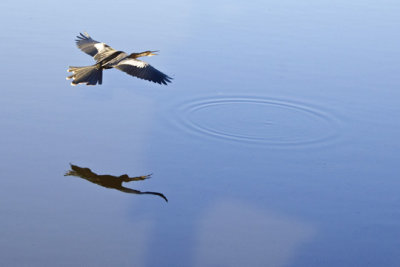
(89, 75)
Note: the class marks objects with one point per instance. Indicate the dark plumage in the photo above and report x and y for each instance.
(110, 181)
(107, 58)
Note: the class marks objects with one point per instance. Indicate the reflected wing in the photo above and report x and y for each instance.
(143, 70)
(92, 47)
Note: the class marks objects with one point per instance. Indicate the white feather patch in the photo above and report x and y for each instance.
(100, 46)
(133, 62)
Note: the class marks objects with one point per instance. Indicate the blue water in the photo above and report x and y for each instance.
(276, 143)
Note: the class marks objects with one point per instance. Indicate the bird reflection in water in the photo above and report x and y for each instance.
(110, 181)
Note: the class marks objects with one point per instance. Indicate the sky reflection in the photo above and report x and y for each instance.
(303, 173)
(231, 233)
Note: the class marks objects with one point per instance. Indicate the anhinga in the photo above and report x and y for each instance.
(107, 58)
(110, 181)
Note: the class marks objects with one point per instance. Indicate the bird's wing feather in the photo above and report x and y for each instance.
(142, 70)
(92, 47)
(103, 51)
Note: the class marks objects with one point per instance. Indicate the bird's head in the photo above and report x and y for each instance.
(143, 54)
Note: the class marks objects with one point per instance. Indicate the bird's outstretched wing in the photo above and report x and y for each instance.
(142, 70)
(92, 47)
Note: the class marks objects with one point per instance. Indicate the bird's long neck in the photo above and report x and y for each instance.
(136, 55)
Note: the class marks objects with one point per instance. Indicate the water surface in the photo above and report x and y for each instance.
(276, 144)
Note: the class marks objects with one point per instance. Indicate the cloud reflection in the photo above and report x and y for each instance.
(232, 233)
(110, 181)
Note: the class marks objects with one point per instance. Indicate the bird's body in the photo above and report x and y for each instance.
(107, 58)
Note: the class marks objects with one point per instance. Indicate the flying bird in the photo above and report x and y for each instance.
(107, 58)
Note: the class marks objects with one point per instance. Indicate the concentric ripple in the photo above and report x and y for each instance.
(258, 120)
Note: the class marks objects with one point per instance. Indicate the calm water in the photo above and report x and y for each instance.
(277, 144)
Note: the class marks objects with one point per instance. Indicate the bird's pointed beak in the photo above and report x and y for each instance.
(153, 53)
